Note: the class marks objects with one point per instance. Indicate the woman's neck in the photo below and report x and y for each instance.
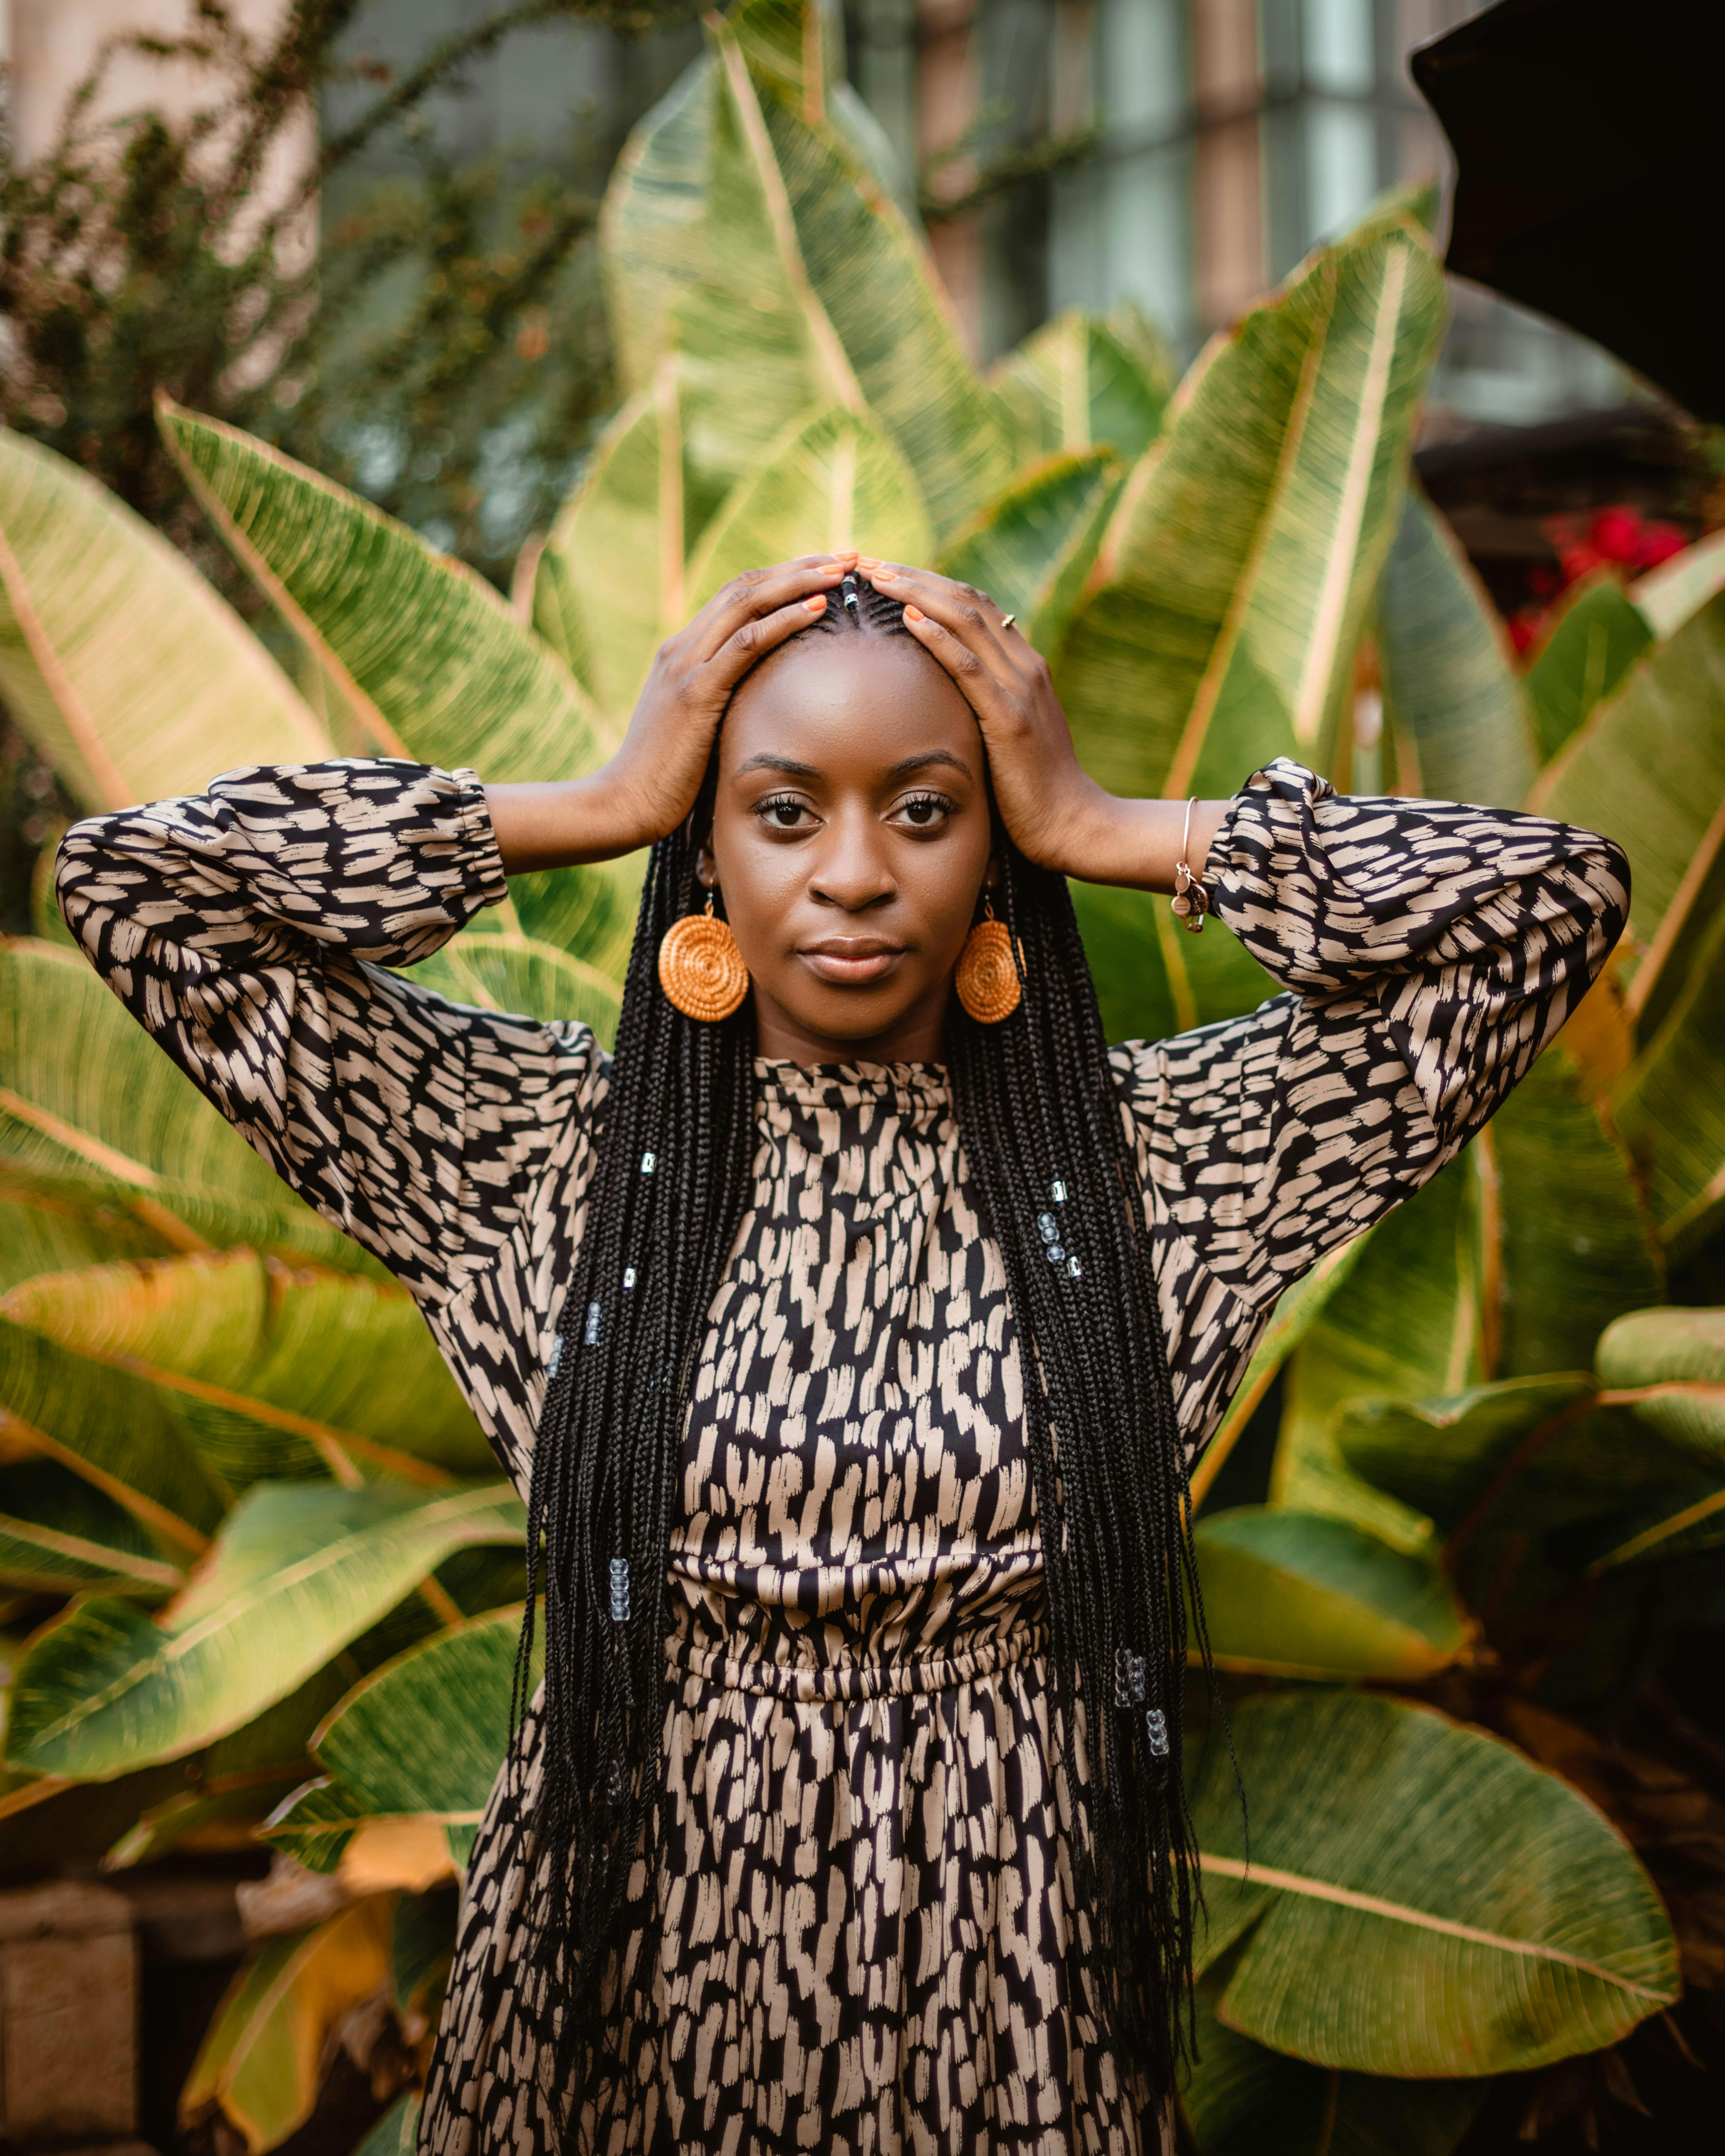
(918, 1036)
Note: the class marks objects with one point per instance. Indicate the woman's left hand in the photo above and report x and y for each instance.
(1051, 808)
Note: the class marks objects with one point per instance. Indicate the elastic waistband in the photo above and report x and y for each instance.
(901, 1677)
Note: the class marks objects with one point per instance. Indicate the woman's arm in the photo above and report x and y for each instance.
(1431, 950)
(245, 928)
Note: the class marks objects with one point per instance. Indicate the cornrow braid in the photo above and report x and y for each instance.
(1055, 1173)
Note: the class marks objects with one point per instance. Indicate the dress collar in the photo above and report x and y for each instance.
(915, 1089)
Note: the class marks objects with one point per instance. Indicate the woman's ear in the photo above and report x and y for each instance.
(707, 868)
(990, 874)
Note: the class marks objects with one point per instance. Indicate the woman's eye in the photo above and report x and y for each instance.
(924, 812)
(785, 813)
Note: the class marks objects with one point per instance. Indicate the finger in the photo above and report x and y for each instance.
(754, 638)
(969, 615)
(758, 592)
(977, 679)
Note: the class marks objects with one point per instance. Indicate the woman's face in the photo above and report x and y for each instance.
(850, 838)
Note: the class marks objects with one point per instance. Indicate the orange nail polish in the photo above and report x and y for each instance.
(885, 576)
(816, 603)
(868, 561)
(915, 614)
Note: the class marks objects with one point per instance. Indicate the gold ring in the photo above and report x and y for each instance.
(1006, 620)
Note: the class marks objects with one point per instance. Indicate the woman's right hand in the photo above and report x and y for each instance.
(651, 783)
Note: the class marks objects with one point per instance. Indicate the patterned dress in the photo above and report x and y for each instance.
(866, 1891)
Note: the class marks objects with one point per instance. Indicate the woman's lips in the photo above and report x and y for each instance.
(853, 961)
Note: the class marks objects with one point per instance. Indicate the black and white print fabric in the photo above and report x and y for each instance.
(865, 1891)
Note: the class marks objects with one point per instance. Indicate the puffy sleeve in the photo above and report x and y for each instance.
(247, 929)
(1428, 951)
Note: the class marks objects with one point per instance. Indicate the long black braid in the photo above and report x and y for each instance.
(1055, 1170)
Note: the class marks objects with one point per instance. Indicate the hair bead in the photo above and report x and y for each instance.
(619, 1590)
(592, 1334)
(554, 1361)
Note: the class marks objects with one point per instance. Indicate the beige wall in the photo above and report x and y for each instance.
(53, 43)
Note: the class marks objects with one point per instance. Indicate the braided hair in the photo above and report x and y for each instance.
(1056, 1176)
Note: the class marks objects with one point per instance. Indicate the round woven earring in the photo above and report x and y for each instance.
(987, 980)
(700, 969)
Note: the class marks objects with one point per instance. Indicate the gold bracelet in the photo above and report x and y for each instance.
(1191, 900)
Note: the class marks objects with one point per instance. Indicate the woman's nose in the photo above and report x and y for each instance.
(852, 871)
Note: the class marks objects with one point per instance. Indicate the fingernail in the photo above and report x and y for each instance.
(868, 561)
(914, 614)
(885, 576)
(816, 603)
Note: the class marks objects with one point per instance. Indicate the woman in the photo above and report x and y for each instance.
(851, 1813)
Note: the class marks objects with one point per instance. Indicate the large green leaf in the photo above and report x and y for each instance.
(132, 676)
(115, 1430)
(1665, 596)
(94, 1115)
(754, 346)
(1456, 712)
(1597, 639)
(299, 1570)
(60, 1534)
(50, 1222)
(1242, 2099)
(396, 2132)
(831, 481)
(1230, 589)
(1568, 1241)
(1648, 767)
(1387, 1934)
(1405, 1325)
(414, 638)
(609, 588)
(1031, 550)
(1079, 381)
(424, 1736)
(1439, 1456)
(873, 277)
(522, 976)
(277, 1371)
(262, 2062)
(1670, 1107)
(1294, 1594)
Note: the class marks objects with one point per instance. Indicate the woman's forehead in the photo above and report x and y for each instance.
(847, 699)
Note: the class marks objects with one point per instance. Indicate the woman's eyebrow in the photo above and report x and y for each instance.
(907, 764)
(768, 762)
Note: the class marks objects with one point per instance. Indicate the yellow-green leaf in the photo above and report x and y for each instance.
(133, 677)
(831, 481)
(421, 646)
(1389, 1935)
(1080, 381)
(298, 1570)
(262, 2062)
(1031, 550)
(1229, 592)
(1456, 710)
(1597, 638)
(1294, 1595)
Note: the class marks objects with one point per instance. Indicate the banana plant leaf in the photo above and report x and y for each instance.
(60, 1534)
(1457, 714)
(1648, 767)
(1294, 1594)
(50, 1223)
(419, 644)
(299, 1570)
(1676, 1358)
(1439, 1456)
(1569, 1244)
(1405, 1324)
(83, 579)
(1031, 550)
(422, 1947)
(523, 978)
(755, 349)
(1383, 1932)
(1297, 1310)
(1670, 1107)
(1597, 638)
(1079, 381)
(832, 482)
(1665, 596)
(94, 1115)
(1243, 2100)
(276, 1372)
(116, 1431)
(1230, 589)
(396, 2132)
(262, 2062)
(424, 1738)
